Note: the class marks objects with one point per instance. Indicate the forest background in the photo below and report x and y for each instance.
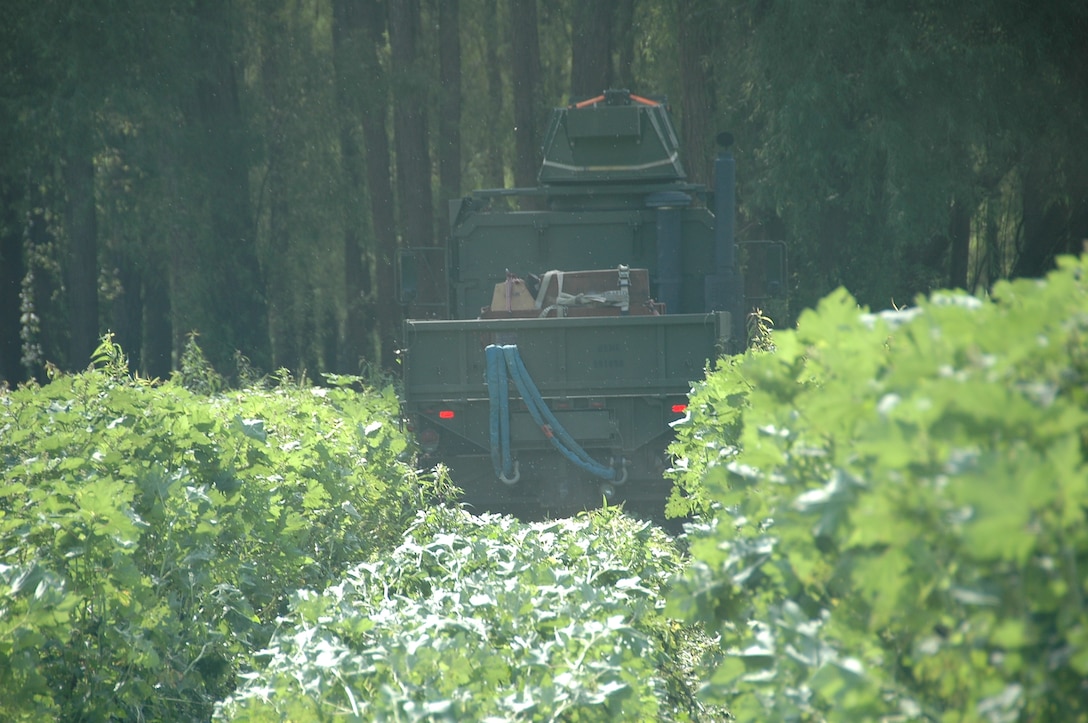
(246, 170)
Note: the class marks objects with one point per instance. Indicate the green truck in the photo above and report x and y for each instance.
(575, 315)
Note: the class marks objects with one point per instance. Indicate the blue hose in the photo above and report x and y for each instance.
(498, 392)
(565, 443)
(499, 400)
(504, 423)
(493, 404)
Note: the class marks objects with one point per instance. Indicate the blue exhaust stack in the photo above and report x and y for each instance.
(722, 286)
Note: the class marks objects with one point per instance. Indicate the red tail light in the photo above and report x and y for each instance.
(446, 414)
(679, 408)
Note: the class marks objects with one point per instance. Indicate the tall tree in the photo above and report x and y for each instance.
(216, 268)
(378, 178)
(57, 82)
(11, 276)
(959, 233)
(277, 199)
(1052, 100)
(349, 48)
(449, 107)
(526, 90)
(43, 329)
(136, 208)
(867, 149)
(413, 162)
(82, 237)
(591, 48)
(11, 225)
(156, 356)
(696, 22)
(624, 41)
(304, 198)
(157, 173)
(93, 98)
(495, 167)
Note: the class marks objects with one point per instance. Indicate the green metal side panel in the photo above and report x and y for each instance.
(567, 358)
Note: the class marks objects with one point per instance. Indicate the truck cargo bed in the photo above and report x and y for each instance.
(614, 384)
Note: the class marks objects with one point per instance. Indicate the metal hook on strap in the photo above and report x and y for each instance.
(623, 470)
(517, 475)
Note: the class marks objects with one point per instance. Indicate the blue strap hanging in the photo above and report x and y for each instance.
(504, 360)
(499, 399)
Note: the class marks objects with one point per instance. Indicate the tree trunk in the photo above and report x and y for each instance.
(591, 48)
(158, 336)
(82, 269)
(233, 311)
(449, 120)
(959, 235)
(42, 338)
(378, 181)
(182, 260)
(495, 168)
(1077, 240)
(349, 49)
(126, 308)
(414, 198)
(284, 329)
(625, 46)
(526, 79)
(11, 278)
(1042, 226)
(697, 106)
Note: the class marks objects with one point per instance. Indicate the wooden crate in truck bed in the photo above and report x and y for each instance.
(604, 292)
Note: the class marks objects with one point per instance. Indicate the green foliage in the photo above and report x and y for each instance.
(896, 508)
(485, 618)
(196, 373)
(856, 136)
(150, 537)
(759, 328)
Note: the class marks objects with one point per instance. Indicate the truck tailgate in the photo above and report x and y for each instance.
(567, 357)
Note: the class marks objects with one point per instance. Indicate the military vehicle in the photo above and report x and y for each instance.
(577, 314)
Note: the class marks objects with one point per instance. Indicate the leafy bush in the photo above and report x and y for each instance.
(485, 618)
(150, 537)
(896, 508)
